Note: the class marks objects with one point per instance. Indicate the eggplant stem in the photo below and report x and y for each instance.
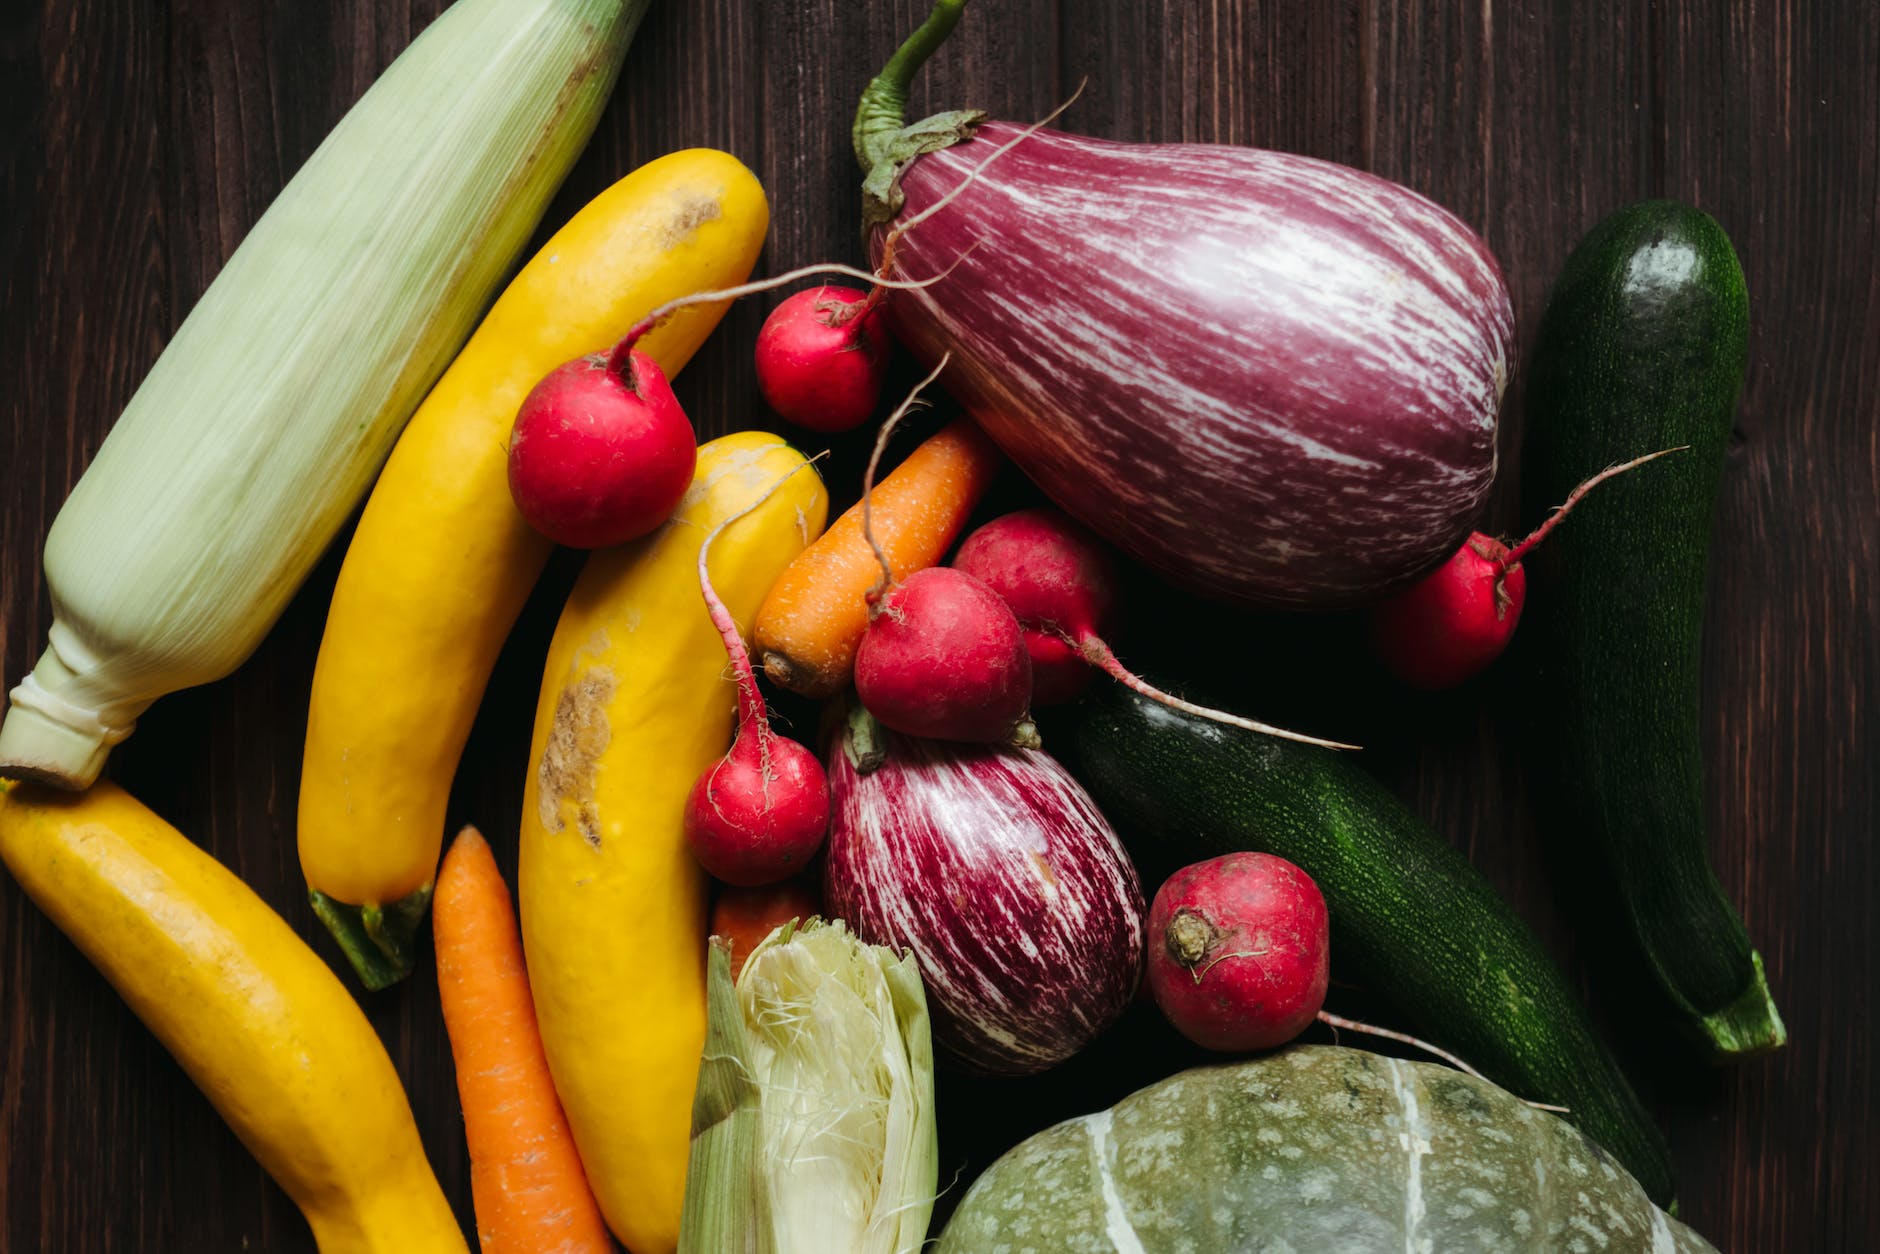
(882, 283)
(1513, 556)
(873, 596)
(883, 107)
(973, 174)
(1094, 651)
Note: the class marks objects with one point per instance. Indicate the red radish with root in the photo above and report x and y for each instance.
(1450, 625)
(1239, 951)
(1060, 582)
(822, 354)
(601, 451)
(943, 656)
(821, 357)
(1240, 958)
(759, 813)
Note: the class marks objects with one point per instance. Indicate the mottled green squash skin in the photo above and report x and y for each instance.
(1314, 1150)
(1411, 917)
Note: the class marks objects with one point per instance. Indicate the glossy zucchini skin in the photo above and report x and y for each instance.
(1643, 346)
(1411, 919)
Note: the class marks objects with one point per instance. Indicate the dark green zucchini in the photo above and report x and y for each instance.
(1411, 919)
(1643, 346)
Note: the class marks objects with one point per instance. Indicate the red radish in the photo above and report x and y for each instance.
(1239, 951)
(943, 656)
(758, 814)
(1457, 620)
(601, 452)
(1060, 582)
(1452, 624)
(821, 358)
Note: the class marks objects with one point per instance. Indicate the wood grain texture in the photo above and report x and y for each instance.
(140, 139)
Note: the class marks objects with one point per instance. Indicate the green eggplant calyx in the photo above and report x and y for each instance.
(883, 108)
(881, 190)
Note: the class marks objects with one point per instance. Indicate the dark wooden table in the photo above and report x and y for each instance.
(139, 140)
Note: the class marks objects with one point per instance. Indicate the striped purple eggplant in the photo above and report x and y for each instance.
(1273, 379)
(997, 870)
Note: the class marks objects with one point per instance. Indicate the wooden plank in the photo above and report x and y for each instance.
(1769, 122)
(139, 140)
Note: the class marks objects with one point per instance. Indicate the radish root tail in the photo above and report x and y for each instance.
(618, 359)
(1336, 1022)
(874, 594)
(1521, 550)
(1097, 653)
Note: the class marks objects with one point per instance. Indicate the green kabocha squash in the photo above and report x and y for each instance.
(1314, 1150)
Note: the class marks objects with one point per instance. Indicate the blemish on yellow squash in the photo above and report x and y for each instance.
(442, 563)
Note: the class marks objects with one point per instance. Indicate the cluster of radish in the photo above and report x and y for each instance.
(601, 453)
(1237, 948)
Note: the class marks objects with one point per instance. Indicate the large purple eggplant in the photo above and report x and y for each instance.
(995, 867)
(1272, 378)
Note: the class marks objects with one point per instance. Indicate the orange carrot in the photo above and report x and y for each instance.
(745, 916)
(525, 1176)
(816, 613)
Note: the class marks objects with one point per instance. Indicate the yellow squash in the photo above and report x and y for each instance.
(261, 1025)
(441, 562)
(637, 701)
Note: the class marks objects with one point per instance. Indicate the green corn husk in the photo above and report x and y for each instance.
(268, 414)
(813, 1121)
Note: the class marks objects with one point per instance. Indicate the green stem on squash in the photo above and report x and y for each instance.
(379, 941)
(883, 108)
(1747, 1026)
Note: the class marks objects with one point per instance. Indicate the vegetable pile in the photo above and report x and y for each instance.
(744, 962)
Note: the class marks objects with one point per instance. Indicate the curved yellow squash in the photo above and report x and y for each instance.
(266, 1031)
(441, 562)
(636, 702)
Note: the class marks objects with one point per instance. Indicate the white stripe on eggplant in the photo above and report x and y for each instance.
(1274, 378)
(997, 870)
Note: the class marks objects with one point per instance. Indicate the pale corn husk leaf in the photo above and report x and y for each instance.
(266, 417)
(837, 1044)
(727, 1199)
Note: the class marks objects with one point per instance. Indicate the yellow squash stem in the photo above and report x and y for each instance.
(636, 702)
(267, 415)
(257, 1020)
(441, 562)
